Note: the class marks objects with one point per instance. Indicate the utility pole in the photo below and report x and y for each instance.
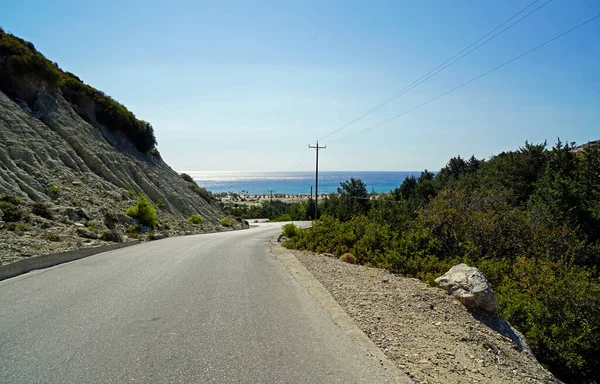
(271, 203)
(317, 178)
(311, 200)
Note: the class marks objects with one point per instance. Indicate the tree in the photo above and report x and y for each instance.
(354, 198)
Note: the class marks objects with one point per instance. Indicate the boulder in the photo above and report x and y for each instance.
(348, 258)
(158, 236)
(470, 287)
(124, 219)
(75, 214)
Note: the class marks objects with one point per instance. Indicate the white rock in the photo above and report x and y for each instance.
(470, 287)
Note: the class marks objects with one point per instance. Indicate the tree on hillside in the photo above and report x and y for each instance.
(354, 198)
(417, 191)
(515, 171)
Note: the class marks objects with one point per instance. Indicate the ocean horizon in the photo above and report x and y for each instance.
(295, 183)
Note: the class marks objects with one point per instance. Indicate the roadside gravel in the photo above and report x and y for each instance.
(431, 336)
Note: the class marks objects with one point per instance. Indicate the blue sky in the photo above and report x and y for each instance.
(247, 85)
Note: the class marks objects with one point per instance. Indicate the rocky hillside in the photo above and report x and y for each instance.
(73, 160)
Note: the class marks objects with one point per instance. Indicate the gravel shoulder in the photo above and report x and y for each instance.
(428, 334)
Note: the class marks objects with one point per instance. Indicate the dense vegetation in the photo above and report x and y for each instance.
(21, 62)
(528, 219)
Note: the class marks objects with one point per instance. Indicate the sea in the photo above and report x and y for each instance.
(295, 183)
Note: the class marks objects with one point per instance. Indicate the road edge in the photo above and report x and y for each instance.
(303, 276)
(23, 266)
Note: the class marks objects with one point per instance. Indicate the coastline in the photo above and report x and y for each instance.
(295, 183)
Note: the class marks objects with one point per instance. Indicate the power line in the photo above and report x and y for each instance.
(300, 159)
(470, 81)
(452, 60)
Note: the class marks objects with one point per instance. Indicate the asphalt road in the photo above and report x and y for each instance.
(213, 308)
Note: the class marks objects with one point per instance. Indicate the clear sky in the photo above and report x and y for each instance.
(247, 85)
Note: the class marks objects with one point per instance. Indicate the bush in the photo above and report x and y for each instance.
(111, 235)
(54, 190)
(16, 200)
(143, 211)
(228, 221)
(284, 217)
(187, 178)
(195, 219)
(52, 237)
(12, 212)
(290, 230)
(17, 227)
(202, 192)
(557, 307)
(24, 59)
(41, 210)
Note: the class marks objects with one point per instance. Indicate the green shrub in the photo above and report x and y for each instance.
(228, 221)
(52, 237)
(41, 210)
(53, 190)
(111, 235)
(17, 227)
(16, 200)
(202, 192)
(24, 59)
(160, 204)
(143, 211)
(195, 219)
(284, 217)
(12, 212)
(134, 228)
(92, 227)
(557, 307)
(290, 230)
(187, 178)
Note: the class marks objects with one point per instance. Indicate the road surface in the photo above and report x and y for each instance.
(213, 308)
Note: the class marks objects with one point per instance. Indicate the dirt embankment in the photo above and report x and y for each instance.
(83, 178)
(429, 335)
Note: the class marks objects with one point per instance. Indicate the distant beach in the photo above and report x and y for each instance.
(295, 183)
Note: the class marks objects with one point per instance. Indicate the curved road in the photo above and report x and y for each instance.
(213, 308)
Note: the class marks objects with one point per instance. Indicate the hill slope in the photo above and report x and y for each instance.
(57, 149)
